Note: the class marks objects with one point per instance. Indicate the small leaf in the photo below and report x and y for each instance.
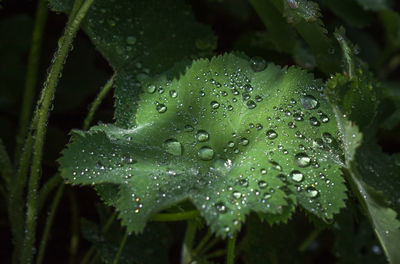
(227, 135)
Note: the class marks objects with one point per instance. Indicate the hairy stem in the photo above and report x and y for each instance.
(49, 222)
(310, 238)
(31, 75)
(47, 188)
(187, 245)
(121, 248)
(106, 88)
(6, 168)
(230, 250)
(105, 228)
(74, 241)
(175, 216)
(42, 112)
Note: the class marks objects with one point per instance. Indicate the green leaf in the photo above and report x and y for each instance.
(350, 12)
(150, 247)
(263, 244)
(304, 16)
(374, 203)
(375, 5)
(140, 39)
(355, 241)
(228, 135)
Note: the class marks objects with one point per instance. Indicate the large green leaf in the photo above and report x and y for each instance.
(230, 136)
(363, 164)
(140, 39)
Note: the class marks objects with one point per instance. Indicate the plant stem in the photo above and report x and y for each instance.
(105, 228)
(121, 247)
(6, 168)
(217, 253)
(42, 112)
(31, 75)
(209, 246)
(47, 188)
(175, 216)
(230, 250)
(310, 238)
(188, 242)
(202, 242)
(74, 241)
(49, 222)
(106, 88)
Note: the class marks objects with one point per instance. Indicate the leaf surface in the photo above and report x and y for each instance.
(228, 135)
(140, 39)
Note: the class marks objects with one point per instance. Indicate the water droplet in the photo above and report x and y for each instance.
(327, 138)
(231, 144)
(262, 184)
(263, 171)
(151, 89)
(236, 194)
(214, 105)
(246, 96)
(161, 108)
(291, 125)
(309, 102)
(131, 40)
(244, 141)
(275, 165)
(271, 134)
(311, 192)
(297, 117)
(173, 93)
(258, 64)
(221, 208)
(173, 146)
(302, 160)
(206, 153)
(324, 118)
(188, 128)
(251, 104)
(244, 182)
(202, 136)
(296, 176)
(314, 121)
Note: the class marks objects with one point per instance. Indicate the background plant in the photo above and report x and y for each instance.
(210, 155)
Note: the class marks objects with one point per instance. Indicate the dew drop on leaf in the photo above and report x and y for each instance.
(188, 128)
(151, 89)
(302, 160)
(257, 64)
(327, 138)
(173, 146)
(202, 136)
(206, 153)
(214, 105)
(314, 121)
(271, 134)
(221, 208)
(309, 102)
(296, 176)
(262, 184)
(311, 192)
(251, 104)
(161, 108)
(173, 93)
(236, 194)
